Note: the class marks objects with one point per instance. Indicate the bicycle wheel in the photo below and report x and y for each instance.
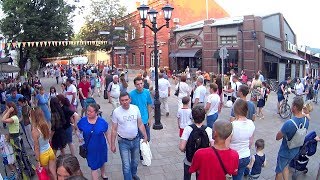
(285, 111)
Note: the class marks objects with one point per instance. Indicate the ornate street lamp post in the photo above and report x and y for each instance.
(144, 11)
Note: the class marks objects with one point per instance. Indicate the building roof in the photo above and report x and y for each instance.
(216, 22)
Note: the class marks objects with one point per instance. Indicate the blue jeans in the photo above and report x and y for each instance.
(147, 127)
(211, 119)
(243, 163)
(129, 152)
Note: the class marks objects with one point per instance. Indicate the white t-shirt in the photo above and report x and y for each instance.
(242, 131)
(199, 93)
(114, 90)
(184, 117)
(127, 120)
(299, 88)
(163, 87)
(71, 90)
(235, 87)
(214, 100)
(184, 89)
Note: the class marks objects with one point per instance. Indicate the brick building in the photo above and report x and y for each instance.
(254, 43)
(139, 54)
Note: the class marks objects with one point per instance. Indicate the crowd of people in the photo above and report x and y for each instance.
(217, 148)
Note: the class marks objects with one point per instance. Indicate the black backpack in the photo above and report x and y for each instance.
(197, 139)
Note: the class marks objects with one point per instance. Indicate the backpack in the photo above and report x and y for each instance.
(145, 84)
(198, 139)
(298, 138)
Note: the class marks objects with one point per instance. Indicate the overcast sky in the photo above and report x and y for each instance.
(301, 15)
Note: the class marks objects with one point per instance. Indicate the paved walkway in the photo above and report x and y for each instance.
(167, 159)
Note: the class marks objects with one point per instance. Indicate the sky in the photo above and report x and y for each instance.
(301, 15)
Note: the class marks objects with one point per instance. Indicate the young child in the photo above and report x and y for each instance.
(307, 109)
(53, 92)
(184, 115)
(257, 161)
(7, 153)
(98, 85)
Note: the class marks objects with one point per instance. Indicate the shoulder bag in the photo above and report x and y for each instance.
(228, 176)
(178, 90)
(83, 149)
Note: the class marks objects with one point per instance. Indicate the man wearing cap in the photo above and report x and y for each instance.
(71, 94)
(114, 92)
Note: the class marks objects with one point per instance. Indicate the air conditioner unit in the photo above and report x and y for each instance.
(176, 20)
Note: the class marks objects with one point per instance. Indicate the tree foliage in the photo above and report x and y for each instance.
(37, 20)
(102, 17)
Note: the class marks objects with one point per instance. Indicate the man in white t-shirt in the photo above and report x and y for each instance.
(234, 88)
(164, 92)
(199, 94)
(114, 92)
(71, 94)
(231, 77)
(299, 88)
(198, 114)
(126, 121)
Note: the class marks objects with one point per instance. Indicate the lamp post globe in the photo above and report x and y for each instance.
(153, 15)
(167, 10)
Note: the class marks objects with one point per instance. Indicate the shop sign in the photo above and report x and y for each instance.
(290, 47)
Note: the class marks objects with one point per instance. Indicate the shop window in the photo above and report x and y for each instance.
(133, 59)
(189, 42)
(142, 59)
(288, 70)
(228, 40)
(182, 44)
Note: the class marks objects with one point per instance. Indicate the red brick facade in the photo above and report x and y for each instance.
(185, 12)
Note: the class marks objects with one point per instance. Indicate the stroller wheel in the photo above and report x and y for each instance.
(305, 171)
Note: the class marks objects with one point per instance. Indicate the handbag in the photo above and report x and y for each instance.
(178, 90)
(105, 94)
(42, 173)
(228, 176)
(83, 149)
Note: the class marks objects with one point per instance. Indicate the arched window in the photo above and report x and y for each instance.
(189, 42)
(152, 59)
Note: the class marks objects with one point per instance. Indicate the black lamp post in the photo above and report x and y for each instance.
(167, 10)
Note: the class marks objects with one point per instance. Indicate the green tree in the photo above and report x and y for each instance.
(103, 16)
(36, 20)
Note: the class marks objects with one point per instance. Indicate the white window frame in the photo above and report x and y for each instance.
(133, 34)
(141, 59)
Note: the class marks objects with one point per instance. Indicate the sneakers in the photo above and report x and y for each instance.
(135, 177)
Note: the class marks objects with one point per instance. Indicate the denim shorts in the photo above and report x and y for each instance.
(280, 97)
(282, 162)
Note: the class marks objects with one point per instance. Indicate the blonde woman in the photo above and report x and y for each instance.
(41, 135)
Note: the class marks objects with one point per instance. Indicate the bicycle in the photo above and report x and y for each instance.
(273, 85)
(285, 109)
(25, 169)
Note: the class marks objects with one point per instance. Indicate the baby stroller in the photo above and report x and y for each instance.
(300, 162)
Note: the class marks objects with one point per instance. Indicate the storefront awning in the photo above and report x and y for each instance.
(6, 68)
(283, 54)
(233, 54)
(185, 53)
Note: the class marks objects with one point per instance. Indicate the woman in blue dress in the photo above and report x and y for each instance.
(42, 101)
(95, 132)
